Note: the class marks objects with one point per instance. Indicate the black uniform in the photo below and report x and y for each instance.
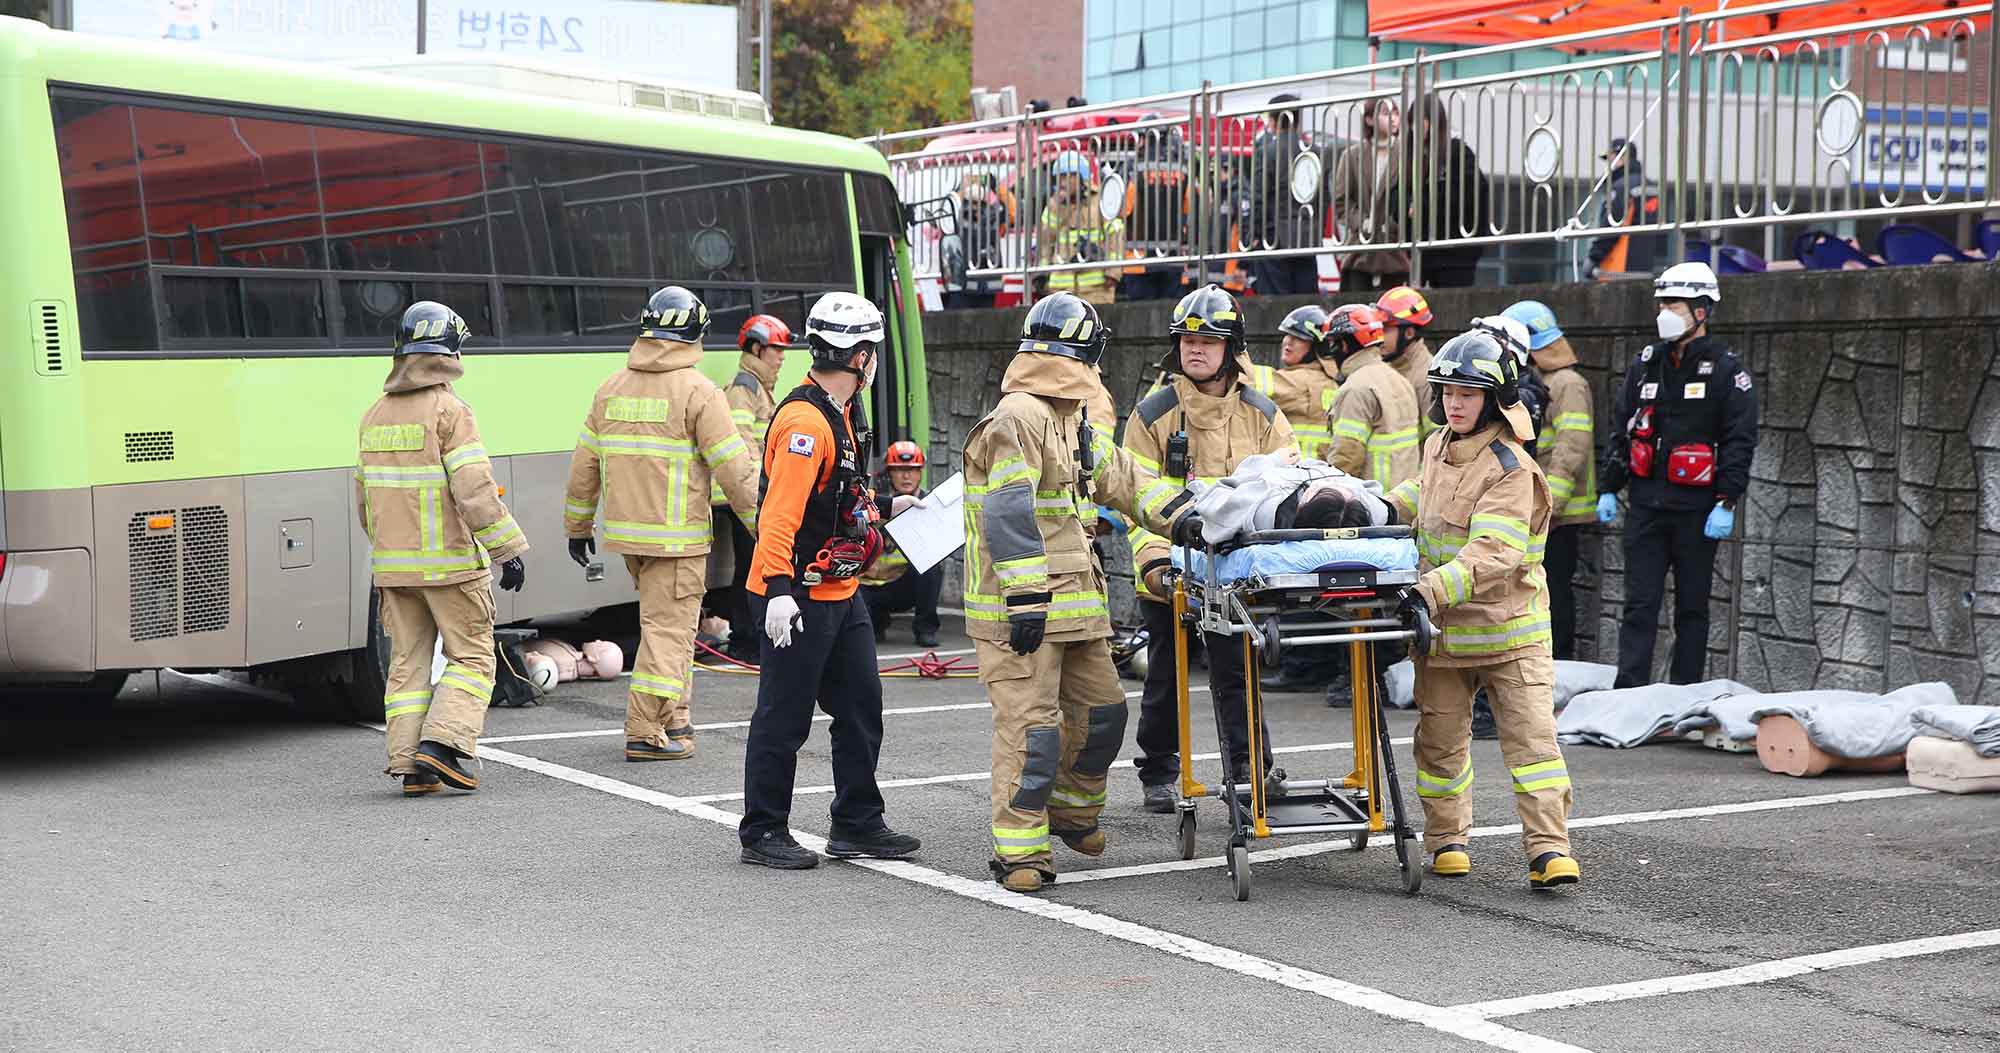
(1686, 430)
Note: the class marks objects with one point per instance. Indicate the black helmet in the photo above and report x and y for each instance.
(674, 313)
(1064, 324)
(430, 328)
(1208, 311)
(1477, 360)
(1308, 323)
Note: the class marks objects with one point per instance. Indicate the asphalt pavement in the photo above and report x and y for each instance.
(206, 866)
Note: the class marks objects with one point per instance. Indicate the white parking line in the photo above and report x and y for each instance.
(1436, 1018)
(718, 726)
(1762, 972)
(1316, 848)
(982, 776)
(821, 718)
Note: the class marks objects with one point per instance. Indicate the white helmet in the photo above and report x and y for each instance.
(1687, 281)
(840, 323)
(1512, 333)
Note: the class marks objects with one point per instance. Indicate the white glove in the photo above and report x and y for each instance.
(904, 502)
(781, 616)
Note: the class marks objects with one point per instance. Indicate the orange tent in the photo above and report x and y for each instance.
(1482, 22)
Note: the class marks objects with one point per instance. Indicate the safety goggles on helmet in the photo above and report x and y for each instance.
(1308, 323)
(904, 454)
(1064, 324)
(1510, 332)
(1478, 359)
(840, 326)
(1352, 327)
(674, 313)
(1208, 311)
(1688, 281)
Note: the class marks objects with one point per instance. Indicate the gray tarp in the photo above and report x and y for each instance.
(1632, 716)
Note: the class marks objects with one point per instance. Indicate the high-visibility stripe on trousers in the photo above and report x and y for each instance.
(1058, 723)
(416, 618)
(1522, 693)
(662, 688)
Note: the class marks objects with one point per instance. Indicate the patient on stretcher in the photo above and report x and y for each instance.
(1266, 493)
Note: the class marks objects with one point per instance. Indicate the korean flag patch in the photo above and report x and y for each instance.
(800, 443)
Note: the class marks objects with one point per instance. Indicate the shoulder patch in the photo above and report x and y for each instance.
(1647, 354)
(801, 443)
(1508, 462)
(1260, 402)
(1742, 380)
(744, 379)
(1158, 404)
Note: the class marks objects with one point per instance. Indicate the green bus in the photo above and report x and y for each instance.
(206, 259)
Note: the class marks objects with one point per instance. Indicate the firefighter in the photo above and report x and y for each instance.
(1305, 391)
(1407, 314)
(1564, 447)
(1685, 429)
(1073, 230)
(1034, 598)
(1199, 426)
(435, 522)
(1307, 380)
(816, 534)
(763, 340)
(888, 585)
(1480, 611)
(658, 431)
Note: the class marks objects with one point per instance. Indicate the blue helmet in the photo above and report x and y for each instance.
(1541, 323)
(1071, 162)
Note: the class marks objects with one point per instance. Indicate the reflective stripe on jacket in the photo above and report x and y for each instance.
(1565, 448)
(751, 404)
(656, 432)
(1375, 422)
(1482, 513)
(425, 492)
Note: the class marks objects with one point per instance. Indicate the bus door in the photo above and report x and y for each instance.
(889, 409)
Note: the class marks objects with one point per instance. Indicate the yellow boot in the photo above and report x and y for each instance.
(1551, 869)
(1451, 861)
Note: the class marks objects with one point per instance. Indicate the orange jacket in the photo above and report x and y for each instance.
(799, 457)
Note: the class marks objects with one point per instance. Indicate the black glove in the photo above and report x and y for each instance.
(513, 575)
(1187, 529)
(581, 549)
(1415, 614)
(1027, 627)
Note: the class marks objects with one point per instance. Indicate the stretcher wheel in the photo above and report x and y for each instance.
(1270, 644)
(1187, 834)
(1239, 871)
(1357, 840)
(1412, 862)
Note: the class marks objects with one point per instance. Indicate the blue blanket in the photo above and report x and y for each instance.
(1305, 557)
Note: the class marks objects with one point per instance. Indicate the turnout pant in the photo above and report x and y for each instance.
(1058, 721)
(670, 589)
(912, 591)
(1159, 734)
(832, 662)
(1522, 694)
(1561, 568)
(414, 618)
(1657, 539)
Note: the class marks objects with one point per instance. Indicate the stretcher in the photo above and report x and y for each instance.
(1285, 588)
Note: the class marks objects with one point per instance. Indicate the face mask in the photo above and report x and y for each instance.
(1671, 324)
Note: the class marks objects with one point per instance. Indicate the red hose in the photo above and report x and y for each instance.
(928, 666)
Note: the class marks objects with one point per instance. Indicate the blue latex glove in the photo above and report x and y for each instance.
(1721, 522)
(1607, 508)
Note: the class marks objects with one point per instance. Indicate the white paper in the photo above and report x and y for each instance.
(928, 534)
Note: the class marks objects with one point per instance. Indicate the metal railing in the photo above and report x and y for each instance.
(1406, 168)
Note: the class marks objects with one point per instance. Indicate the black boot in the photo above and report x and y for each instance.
(1340, 693)
(417, 784)
(1483, 726)
(442, 761)
(1160, 798)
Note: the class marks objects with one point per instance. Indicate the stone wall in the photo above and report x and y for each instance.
(1869, 548)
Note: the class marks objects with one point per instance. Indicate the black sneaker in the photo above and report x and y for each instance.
(925, 639)
(1340, 693)
(442, 761)
(778, 851)
(1160, 798)
(882, 844)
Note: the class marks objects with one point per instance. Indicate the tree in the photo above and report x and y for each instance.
(853, 67)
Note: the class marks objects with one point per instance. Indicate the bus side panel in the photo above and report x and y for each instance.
(49, 612)
(170, 574)
(554, 583)
(295, 537)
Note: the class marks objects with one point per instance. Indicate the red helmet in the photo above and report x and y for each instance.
(905, 454)
(765, 329)
(1405, 306)
(1353, 326)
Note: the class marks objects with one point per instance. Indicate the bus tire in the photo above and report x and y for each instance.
(347, 686)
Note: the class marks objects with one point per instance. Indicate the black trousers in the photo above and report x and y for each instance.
(1296, 275)
(1561, 567)
(736, 606)
(1157, 283)
(1657, 539)
(912, 591)
(1159, 733)
(830, 662)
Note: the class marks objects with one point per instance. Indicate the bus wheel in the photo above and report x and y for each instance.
(346, 686)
